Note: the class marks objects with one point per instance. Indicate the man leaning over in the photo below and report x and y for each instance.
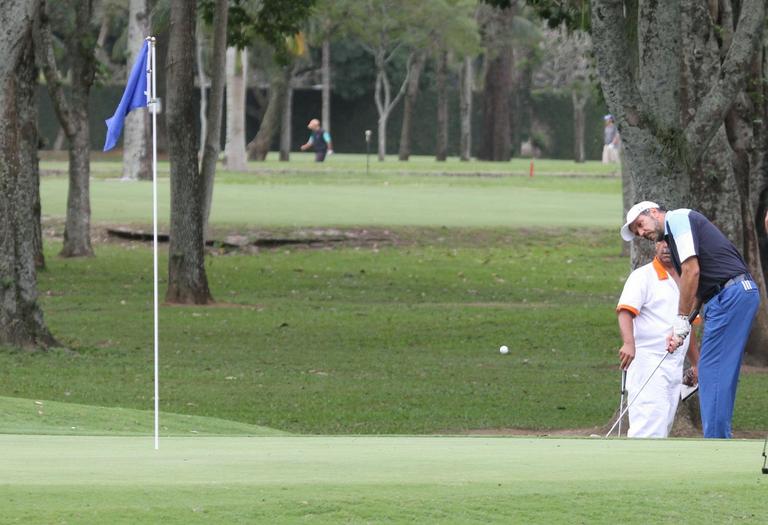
(712, 272)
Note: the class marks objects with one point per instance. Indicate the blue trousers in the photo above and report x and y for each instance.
(727, 323)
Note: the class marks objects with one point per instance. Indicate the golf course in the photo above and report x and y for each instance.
(349, 371)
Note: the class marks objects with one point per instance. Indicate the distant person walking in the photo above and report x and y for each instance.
(713, 273)
(319, 140)
(611, 141)
(646, 308)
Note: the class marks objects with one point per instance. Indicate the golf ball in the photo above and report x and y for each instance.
(503, 349)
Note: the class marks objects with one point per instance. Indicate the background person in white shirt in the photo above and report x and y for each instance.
(648, 302)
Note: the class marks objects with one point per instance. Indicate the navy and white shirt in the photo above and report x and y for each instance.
(689, 234)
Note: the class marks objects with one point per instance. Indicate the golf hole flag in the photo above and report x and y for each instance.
(135, 96)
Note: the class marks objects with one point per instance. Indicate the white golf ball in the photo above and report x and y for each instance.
(503, 349)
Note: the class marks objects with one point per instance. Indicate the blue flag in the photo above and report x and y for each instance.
(135, 96)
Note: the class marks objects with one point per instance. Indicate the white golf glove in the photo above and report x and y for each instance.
(681, 327)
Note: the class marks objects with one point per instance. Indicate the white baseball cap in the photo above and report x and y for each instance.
(632, 214)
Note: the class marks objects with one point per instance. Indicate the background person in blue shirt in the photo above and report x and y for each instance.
(319, 140)
(713, 273)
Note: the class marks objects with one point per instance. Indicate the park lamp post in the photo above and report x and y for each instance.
(368, 133)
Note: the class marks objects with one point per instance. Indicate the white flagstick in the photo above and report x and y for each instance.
(152, 99)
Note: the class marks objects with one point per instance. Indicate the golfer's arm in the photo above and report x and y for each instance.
(693, 348)
(627, 327)
(689, 283)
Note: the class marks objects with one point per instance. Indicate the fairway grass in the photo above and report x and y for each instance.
(27, 416)
(67, 479)
(386, 200)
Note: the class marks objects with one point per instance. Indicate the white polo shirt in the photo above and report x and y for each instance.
(652, 295)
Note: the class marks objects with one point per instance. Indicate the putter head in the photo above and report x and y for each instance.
(687, 391)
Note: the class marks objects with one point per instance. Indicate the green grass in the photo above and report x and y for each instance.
(28, 416)
(46, 479)
(384, 200)
(395, 339)
(111, 165)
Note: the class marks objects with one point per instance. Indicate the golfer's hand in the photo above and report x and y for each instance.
(626, 355)
(330, 152)
(681, 327)
(673, 342)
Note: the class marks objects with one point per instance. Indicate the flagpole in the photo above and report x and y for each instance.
(152, 103)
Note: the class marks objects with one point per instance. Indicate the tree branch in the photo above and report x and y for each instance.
(611, 51)
(44, 43)
(733, 73)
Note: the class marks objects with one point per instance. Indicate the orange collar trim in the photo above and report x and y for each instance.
(661, 272)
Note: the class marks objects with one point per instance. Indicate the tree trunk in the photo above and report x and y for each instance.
(30, 141)
(441, 83)
(579, 103)
(215, 107)
(409, 102)
(382, 95)
(326, 74)
(237, 75)
(72, 112)
(77, 226)
(670, 112)
(202, 80)
(497, 137)
(285, 122)
(21, 319)
(187, 280)
(465, 110)
(137, 163)
(259, 146)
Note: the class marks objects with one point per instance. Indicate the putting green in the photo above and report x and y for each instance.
(90, 479)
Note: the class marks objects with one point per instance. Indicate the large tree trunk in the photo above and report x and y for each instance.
(259, 146)
(326, 75)
(30, 140)
(497, 137)
(137, 163)
(237, 75)
(215, 107)
(187, 280)
(72, 112)
(465, 109)
(21, 319)
(441, 83)
(409, 103)
(671, 111)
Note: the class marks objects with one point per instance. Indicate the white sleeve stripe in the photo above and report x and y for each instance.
(685, 248)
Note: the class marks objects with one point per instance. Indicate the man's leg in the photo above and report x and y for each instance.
(729, 317)
(320, 155)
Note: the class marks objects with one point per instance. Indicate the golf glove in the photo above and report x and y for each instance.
(681, 327)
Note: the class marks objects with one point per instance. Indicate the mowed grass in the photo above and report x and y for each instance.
(47, 479)
(392, 339)
(319, 199)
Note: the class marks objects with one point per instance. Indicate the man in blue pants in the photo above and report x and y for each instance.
(712, 272)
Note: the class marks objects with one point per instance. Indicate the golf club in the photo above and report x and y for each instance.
(623, 393)
(765, 457)
(691, 318)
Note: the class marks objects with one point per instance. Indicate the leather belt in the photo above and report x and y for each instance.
(736, 279)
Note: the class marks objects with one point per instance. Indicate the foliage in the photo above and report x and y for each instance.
(271, 20)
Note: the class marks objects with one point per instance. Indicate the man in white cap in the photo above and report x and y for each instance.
(712, 272)
(647, 305)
